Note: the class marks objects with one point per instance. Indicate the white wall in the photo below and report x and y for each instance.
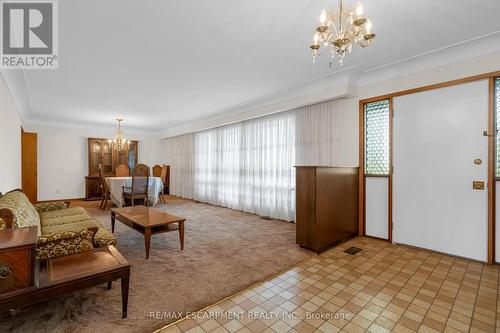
(63, 158)
(10, 141)
(347, 134)
(377, 207)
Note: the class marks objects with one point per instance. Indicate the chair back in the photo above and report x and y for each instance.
(163, 174)
(104, 185)
(166, 181)
(141, 170)
(140, 184)
(122, 170)
(157, 169)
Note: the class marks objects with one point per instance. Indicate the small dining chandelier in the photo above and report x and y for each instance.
(119, 143)
(340, 30)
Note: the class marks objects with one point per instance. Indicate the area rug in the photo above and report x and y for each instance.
(225, 251)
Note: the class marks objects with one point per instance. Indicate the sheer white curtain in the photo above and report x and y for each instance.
(179, 151)
(268, 174)
(248, 166)
(217, 166)
(317, 133)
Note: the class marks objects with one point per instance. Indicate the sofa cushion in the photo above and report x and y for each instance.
(42, 207)
(64, 243)
(63, 216)
(102, 238)
(25, 214)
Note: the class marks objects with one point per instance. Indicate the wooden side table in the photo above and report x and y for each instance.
(70, 273)
(17, 261)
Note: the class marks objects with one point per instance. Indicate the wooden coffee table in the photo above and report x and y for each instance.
(148, 221)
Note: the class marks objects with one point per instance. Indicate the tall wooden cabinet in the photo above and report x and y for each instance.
(100, 152)
(326, 206)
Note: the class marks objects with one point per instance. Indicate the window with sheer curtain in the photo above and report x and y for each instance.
(249, 165)
(179, 150)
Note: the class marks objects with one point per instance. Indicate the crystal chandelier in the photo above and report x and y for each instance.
(119, 143)
(340, 30)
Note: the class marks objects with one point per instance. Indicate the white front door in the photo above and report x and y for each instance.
(438, 134)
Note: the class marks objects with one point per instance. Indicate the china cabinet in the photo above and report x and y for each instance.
(100, 152)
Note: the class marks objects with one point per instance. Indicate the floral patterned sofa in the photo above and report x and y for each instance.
(61, 230)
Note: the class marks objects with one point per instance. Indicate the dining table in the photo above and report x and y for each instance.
(116, 184)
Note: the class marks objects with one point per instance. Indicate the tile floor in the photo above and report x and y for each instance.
(383, 288)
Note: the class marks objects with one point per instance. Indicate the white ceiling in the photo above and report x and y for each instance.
(159, 63)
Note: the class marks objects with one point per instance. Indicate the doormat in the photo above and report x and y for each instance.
(352, 250)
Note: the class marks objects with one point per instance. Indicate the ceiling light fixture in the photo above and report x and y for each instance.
(340, 30)
(119, 143)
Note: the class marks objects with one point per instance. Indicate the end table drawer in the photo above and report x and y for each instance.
(15, 270)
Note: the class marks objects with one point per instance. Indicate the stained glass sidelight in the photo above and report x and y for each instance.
(497, 115)
(377, 138)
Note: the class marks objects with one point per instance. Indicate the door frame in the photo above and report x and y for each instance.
(491, 152)
(26, 177)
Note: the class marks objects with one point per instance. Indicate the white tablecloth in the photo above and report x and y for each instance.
(115, 185)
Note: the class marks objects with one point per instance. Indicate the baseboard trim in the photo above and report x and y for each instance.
(441, 253)
(72, 199)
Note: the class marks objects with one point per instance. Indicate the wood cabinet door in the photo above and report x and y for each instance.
(107, 158)
(121, 157)
(132, 154)
(93, 188)
(95, 156)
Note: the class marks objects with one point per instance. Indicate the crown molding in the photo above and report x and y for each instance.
(135, 132)
(315, 91)
(451, 54)
(16, 83)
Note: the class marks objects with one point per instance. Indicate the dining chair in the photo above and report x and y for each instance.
(106, 195)
(163, 177)
(166, 182)
(122, 170)
(157, 170)
(141, 170)
(139, 187)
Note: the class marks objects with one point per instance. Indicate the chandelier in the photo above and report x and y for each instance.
(340, 30)
(119, 143)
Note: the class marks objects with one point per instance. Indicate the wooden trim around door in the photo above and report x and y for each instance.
(491, 151)
(491, 171)
(389, 202)
(450, 83)
(363, 176)
(361, 191)
(29, 165)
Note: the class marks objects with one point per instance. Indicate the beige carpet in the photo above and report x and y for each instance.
(225, 252)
